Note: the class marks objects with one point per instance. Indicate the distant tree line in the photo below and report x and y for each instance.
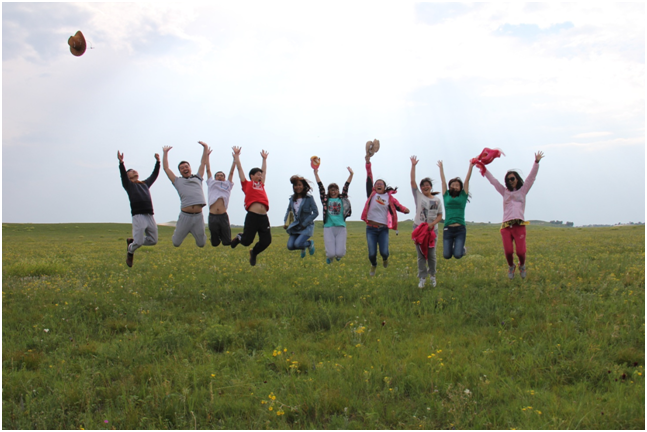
(558, 222)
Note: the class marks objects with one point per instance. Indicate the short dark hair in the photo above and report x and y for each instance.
(254, 171)
(130, 170)
(183, 162)
(218, 172)
(519, 180)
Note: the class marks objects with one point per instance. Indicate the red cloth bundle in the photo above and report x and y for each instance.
(485, 158)
(424, 238)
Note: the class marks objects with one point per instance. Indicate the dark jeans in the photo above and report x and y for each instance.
(375, 237)
(454, 241)
(220, 229)
(256, 223)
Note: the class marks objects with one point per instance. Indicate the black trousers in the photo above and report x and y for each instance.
(256, 223)
(220, 229)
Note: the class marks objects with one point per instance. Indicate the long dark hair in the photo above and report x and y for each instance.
(519, 180)
(306, 186)
(460, 182)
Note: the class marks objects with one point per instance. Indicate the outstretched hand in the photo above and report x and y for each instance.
(440, 164)
(120, 156)
(236, 151)
(166, 149)
(264, 154)
(539, 156)
(350, 170)
(203, 144)
(157, 157)
(414, 160)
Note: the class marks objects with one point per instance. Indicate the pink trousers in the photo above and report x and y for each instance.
(516, 234)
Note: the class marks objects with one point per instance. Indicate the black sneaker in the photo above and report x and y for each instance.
(235, 241)
(252, 257)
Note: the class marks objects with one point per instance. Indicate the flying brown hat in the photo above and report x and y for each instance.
(372, 147)
(77, 44)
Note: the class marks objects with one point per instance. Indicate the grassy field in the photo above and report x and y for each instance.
(196, 338)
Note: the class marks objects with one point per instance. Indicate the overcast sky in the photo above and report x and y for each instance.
(436, 80)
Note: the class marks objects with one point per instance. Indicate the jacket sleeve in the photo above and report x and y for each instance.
(530, 180)
(150, 180)
(322, 192)
(369, 180)
(498, 186)
(344, 191)
(312, 212)
(125, 181)
(399, 207)
(285, 219)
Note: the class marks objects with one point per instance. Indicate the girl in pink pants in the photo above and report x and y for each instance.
(513, 229)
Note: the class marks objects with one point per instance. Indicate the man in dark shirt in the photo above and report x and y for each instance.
(141, 207)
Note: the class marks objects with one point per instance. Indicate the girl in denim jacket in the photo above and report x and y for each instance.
(300, 217)
(380, 215)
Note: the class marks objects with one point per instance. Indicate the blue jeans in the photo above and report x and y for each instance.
(375, 237)
(299, 241)
(454, 241)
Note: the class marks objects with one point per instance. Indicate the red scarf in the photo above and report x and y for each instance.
(485, 158)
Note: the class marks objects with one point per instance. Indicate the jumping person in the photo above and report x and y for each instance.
(429, 211)
(455, 198)
(257, 206)
(141, 207)
(513, 228)
(189, 188)
(336, 208)
(304, 211)
(380, 214)
(219, 193)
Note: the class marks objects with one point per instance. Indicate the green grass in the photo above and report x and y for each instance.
(196, 338)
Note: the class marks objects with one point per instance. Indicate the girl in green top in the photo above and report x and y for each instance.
(456, 198)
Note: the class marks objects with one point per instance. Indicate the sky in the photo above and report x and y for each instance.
(440, 81)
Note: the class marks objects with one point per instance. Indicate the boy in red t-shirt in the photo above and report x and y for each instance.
(257, 205)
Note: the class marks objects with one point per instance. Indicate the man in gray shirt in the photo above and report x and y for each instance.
(189, 187)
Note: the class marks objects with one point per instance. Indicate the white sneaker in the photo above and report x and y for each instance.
(372, 272)
(421, 284)
(432, 279)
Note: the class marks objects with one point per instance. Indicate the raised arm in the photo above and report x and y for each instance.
(151, 179)
(231, 171)
(236, 155)
(466, 185)
(498, 186)
(316, 171)
(125, 181)
(530, 180)
(442, 176)
(414, 162)
(209, 165)
(205, 158)
(167, 170)
(264, 155)
(350, 177)
(369, 177)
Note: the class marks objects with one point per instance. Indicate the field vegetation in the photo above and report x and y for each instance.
(197, 338)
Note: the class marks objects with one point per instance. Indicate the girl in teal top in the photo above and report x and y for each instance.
(455, 198)
(336, 208)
